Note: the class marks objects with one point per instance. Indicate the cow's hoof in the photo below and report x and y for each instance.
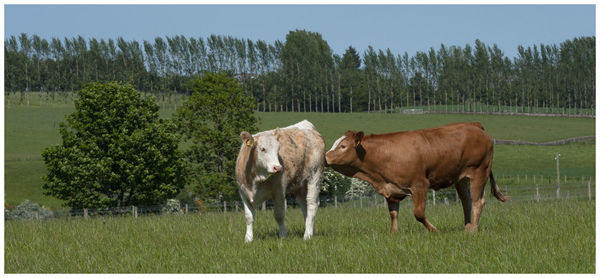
(470, 228)
(307, 237)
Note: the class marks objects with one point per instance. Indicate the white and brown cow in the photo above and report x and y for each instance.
(273, 162)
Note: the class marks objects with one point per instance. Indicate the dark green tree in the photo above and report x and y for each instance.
(115, 152)
(350, 79)
(211, 121)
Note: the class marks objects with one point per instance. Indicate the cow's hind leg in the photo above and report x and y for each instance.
(300, 195)
(419, 195)
(312, 203)
(462, 188)
(279, 213)
(477, 197)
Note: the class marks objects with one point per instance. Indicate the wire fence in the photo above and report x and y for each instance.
(518, 188)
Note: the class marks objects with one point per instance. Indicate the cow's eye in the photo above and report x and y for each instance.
(263, 150)
(343, 146)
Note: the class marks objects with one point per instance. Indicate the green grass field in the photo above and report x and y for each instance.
(514, 237)
(523, 237)
(30, 129)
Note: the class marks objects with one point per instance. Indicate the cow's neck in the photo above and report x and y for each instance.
(363, 165)
(248, 173)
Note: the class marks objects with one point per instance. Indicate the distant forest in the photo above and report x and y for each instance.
(303, 74)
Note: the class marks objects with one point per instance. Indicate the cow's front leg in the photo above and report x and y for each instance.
(250, 214)
(279, 213)
(419, 195)
(393, 208)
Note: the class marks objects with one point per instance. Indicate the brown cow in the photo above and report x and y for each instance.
(411, 162)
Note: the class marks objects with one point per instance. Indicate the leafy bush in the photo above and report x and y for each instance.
(334, 183)
(359, 188)
(172, 207)
(28, 210)
(115, 152)
(210, 122)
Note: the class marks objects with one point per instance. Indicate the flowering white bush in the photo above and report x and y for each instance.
(359, 188)
(28, 210)
(172, 207)
(334, 182)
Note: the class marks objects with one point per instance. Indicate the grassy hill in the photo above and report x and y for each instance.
(30, 129)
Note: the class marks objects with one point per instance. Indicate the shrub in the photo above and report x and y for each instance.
(172, 207)
(28, 210)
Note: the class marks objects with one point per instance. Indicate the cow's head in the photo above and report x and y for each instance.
(345, 150)
(265, 149)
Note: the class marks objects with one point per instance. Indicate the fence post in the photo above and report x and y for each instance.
(264, 205)
(433, 196)
(335, 201)
(85, 213)
(537, 192)
(589, 190)
(134, 211)
(224, 206)
(186, 208)
(361, 202)
(557, 175)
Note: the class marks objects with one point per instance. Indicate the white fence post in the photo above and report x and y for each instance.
(589, 190)
(433, 191)
(537, 192)
(85, 213)
(557, 176)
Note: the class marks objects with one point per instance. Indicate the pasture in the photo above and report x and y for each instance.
(30, 129)
(521, 237)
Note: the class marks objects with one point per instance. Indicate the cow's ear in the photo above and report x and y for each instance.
(247, 138)
(358, 138)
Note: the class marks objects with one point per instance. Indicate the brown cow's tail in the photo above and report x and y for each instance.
(496, 189)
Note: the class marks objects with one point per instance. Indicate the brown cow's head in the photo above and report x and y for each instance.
(345, 151)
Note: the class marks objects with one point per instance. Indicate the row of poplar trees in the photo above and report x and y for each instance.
(303, 73)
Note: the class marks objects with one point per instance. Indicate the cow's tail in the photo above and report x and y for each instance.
(496, 189)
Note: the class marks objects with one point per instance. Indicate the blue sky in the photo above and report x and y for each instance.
(400, 28)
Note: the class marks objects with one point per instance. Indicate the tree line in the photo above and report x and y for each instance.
(303, 74)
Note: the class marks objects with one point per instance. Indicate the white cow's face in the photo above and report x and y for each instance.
(267, 158)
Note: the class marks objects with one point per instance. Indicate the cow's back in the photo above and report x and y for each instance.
(451, 150)
(440, 154)
(301, 151)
